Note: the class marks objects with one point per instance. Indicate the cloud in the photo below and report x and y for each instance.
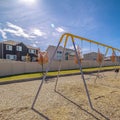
(16, 30)
(17, 33)
(57, 32)
(38, 32)
(20, 32)
(14, 26)
(34, 45)
(60, 30)
(3, 34)
(35, 36)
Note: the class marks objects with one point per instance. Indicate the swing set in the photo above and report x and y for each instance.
(78, 60)
(100, 61)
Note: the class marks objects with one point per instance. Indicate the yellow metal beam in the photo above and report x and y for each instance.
(88, 40)
(66, 41)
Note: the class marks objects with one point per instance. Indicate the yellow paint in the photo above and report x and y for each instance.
(85, 39)
(66, 40)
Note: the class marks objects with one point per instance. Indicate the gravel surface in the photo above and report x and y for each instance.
(68, 103)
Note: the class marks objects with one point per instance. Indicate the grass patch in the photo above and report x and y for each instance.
(52, 73)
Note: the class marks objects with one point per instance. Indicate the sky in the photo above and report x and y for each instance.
(40, 23)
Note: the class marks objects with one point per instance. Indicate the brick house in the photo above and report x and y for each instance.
(17, 51)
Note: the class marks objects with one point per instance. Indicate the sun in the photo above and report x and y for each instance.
(28, 2)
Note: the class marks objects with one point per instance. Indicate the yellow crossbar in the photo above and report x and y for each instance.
(85, 39)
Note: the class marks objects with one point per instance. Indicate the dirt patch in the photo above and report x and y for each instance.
(69, 102)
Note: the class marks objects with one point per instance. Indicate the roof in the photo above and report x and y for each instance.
(52, 46)
(67, 49)
(71, 50)
(91, 53)
(30, 47)
(10, 42)
(72, 54)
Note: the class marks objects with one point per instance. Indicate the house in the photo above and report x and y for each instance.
(68, 53)
(91, 56)
(17, 51)
(108, 58)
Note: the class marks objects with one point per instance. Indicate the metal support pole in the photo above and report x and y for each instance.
(58, 75)
(117, 63)
(40, 86)
(101, 65)
(60, 64)
(42, 69)
(85, 85)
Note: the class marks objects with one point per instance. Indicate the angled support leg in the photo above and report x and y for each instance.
(60, 64)
(58, 76)
(82, 75)
(118, 63)
(98, 73)
(40, 86)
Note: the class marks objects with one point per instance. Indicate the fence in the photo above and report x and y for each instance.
(9, 67)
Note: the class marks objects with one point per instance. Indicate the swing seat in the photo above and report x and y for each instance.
(113, 57)
(76, 60)
(99, 57)
(43, 58)
(117, 70)
(79, 56)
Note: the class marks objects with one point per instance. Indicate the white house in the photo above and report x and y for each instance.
(68, 53)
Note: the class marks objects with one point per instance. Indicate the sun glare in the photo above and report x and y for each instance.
(28, 2)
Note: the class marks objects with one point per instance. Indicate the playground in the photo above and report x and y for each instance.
(85, 96)
(68, 102)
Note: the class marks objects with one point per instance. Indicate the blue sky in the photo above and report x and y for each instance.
(41, 22)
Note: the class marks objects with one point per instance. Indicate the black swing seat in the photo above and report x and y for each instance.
(117, 70)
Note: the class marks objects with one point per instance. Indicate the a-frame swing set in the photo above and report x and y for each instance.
(66, 37)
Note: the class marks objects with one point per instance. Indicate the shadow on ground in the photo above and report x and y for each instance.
(91, 114)
(84, 109)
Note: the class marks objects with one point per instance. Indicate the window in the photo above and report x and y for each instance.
(19, 48)
(32, 51)
(9, 47)
(66, 56)
(23, 58)
(33, 58)
(59, 55)
(11, 57)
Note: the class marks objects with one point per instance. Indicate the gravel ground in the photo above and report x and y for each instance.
(68, 103)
